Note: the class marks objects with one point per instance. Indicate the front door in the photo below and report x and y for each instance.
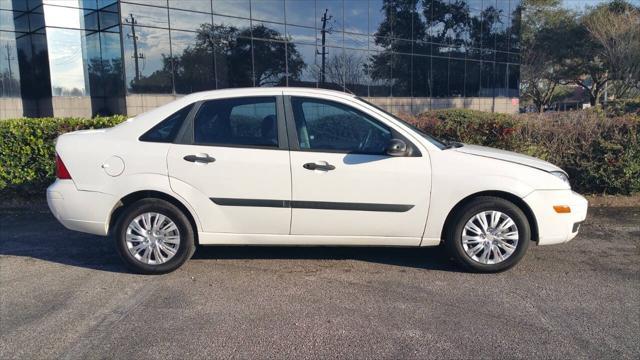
(234, 168)
(344, 183)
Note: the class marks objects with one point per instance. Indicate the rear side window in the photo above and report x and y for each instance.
(168, 128)
(249, 121)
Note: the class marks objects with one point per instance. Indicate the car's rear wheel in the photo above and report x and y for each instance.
(154, 237)
(488, 234)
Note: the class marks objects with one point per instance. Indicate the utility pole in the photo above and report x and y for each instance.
(136, 56)
(324, 32)
(9, 58)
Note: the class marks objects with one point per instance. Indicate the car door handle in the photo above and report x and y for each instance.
(200, 158)
(314, 166)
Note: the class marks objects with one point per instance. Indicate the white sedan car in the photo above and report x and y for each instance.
(288, 166)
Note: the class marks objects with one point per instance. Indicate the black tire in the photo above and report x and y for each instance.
(186, 246)
(454, 243)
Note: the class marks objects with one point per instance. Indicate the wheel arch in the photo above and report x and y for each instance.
(516, 200)
(151, 194)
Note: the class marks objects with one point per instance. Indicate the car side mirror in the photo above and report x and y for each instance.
(397, 147)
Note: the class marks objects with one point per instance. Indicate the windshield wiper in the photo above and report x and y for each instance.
(452, 145)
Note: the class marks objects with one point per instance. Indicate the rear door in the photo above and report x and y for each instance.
(232, 165)
(344, 183)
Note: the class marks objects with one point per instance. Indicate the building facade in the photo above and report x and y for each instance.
(89, 57)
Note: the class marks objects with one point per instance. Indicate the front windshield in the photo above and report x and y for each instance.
(432, 139)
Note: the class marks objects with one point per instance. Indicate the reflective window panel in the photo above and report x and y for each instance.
(144, 15)
(378, 48)
(193, 5)
(472, 78)
(238, 8)
(67, 62)
(440, 76)
(268, 10)
(303, 64)
(188, 20)
(193, 64)
(402, 74)
(147, 59)
(421, 76)
(9, 68)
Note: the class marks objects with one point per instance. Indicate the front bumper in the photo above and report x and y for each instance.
(85, 211)
(553, 227)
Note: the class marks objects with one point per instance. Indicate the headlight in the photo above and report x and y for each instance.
(562, 176)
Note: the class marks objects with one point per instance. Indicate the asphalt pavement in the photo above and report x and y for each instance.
(66, 295)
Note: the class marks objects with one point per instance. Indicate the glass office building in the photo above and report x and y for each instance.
(87, 57)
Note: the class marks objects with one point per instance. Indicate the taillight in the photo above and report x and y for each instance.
(61, 170)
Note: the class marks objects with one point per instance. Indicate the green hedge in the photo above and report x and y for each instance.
(621, 107)
(600, 153)
(27, 154)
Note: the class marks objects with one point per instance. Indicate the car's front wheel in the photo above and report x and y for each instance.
(488, 234)
(154, 237)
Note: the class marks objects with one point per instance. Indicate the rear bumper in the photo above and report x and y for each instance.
(85, 211)
(553, 227)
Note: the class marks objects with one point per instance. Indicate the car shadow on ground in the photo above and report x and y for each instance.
(38, 235)
(422, 258)
(99, 253)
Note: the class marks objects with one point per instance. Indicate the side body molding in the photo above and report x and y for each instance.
(323, 205)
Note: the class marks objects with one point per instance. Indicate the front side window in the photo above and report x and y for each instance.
(330, 126)
(250, 121)
(432, 139)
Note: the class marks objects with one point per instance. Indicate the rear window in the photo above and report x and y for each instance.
(248, 121)
(168, 128)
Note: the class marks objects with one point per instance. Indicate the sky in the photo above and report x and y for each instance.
(582, 4)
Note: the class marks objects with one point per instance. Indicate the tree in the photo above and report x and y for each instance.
(222, 55)
(603, 49)
(401, 21)
(450, 22)
(271, 62)
(585, 66)
(105, 76)
(345, 68)
(589, 50)
(615, 27)
(545, 27)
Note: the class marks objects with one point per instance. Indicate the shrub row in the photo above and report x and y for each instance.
(601, 154)
(620, 107)
(27, 154)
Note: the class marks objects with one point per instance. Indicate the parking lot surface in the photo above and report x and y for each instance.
(67, 295)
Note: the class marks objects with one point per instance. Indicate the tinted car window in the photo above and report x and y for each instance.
(330, 126)
(240, 122)
(168, 128)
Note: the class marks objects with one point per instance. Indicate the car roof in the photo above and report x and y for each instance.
(149, 118)
(257, 91)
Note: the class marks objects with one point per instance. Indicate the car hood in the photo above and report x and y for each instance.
(509, 156)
